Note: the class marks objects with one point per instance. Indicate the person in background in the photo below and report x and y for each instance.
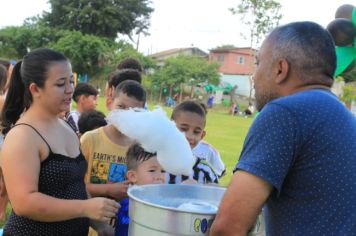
(142, 168)
(190, 118)
(42, 164)
(90, 120)
(3, 80)
(210, 101)
(299, 156)
(130, 63)
(85, 96)
(115, 78)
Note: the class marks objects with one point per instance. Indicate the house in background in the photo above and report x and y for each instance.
(236, 67)
(191, 51)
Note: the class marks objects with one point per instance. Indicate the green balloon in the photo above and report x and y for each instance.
(345, 55)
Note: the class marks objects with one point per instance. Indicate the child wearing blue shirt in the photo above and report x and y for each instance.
(142, 168)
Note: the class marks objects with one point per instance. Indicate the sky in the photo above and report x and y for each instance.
(184, 23)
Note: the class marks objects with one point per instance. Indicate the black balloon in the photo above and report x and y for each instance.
(343, 31)
(344, 11)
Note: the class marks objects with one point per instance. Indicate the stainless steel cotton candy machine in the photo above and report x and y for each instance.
(173, 209)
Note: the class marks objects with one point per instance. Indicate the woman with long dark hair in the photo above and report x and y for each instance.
(42, 164)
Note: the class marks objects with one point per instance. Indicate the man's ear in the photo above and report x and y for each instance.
(131, 176)
(282, 70)
(34, 90)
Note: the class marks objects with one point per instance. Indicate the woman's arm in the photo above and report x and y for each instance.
(20, 161)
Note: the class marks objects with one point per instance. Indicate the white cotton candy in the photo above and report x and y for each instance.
(156, 133)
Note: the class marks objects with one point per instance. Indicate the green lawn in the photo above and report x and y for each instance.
(225, 132)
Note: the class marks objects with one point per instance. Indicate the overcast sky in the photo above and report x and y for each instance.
(184, 23)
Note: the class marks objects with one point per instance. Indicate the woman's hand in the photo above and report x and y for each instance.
(102, 209)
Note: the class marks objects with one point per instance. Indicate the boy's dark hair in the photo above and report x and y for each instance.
(132, 89)
(204, 107)
(118, 76)
(84, 89)
(90, 120)
(135, 155)
(189, 106)
(130, 63)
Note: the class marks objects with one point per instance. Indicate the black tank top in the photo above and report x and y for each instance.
(60, 177)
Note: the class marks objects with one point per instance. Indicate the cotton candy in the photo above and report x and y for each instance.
(157, 134)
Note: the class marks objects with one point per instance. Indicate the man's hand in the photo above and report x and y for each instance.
(241, 204)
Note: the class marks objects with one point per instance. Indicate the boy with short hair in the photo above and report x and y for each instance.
(142, 168)
(90, 120)
(115, 78)
(105, 148)
(190, 118)
(85, 96)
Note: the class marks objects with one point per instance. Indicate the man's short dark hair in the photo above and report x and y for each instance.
(84, 89)
(307, 46)
(90, 120)
(132, 89)
(130, 63)
(118, 76)
(136, 155)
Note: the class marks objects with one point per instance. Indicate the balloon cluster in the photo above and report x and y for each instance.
(343, 31)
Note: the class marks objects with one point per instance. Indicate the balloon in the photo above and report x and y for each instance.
(345, 11)
(345, 56)
(343, 31)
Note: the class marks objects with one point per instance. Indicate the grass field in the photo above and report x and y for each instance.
(225, 132)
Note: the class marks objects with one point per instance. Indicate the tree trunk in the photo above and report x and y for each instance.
(181, 93)
(192, 91)
(171, 90)
(160, 93)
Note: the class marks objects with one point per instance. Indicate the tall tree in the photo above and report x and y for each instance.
(104, 18)
(260, 16)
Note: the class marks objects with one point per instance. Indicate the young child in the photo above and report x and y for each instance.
(116, 78)
(206, 151)
(190, 118)
(90, 120)
(105, 148)
(142, 168)
(85, 96)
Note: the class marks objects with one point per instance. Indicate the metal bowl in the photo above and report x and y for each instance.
(173, 209)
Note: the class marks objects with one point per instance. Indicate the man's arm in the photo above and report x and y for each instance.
(241, 204)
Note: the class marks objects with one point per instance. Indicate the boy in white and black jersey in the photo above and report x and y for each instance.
(190, 118)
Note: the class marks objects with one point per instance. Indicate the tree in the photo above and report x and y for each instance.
(260, 16)
(184, 69)
(225, 46)
(105, 18)
(349, 94)
(84, 51)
